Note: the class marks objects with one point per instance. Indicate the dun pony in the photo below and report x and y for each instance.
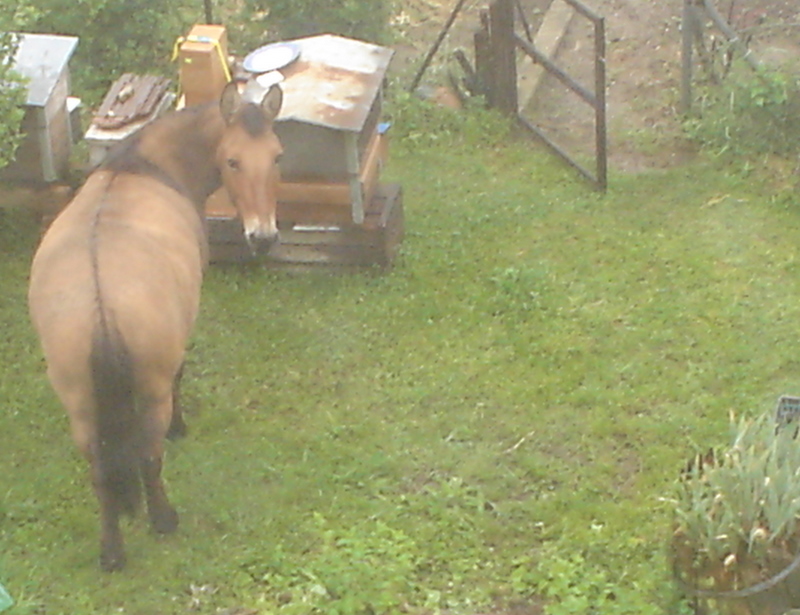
(115, 288)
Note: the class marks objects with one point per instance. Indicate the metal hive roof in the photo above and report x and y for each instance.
(42, 58)
(334, 81)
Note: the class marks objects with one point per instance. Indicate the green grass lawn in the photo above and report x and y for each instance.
(498, 418)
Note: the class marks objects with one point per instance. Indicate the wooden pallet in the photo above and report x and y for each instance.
(315, 246)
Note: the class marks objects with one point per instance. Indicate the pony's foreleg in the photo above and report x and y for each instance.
(162, 515)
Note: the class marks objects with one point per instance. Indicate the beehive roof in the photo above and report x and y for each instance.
(42, 58)
(333, 82)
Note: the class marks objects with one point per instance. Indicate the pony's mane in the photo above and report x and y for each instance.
(187, 146)
(253, 120)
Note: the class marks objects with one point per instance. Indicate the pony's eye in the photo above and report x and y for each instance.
(233, 163)
(278, 158)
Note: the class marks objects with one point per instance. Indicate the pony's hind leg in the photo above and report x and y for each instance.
(177, 426)
(112, 550)
(162, 515)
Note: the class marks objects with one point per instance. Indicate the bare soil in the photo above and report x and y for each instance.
(643, 39)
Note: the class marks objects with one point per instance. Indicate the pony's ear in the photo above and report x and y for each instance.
(272, 101)
(230, 101)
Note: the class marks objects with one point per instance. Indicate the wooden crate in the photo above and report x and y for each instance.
(314, 246)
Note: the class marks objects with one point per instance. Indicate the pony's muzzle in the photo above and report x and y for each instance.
(261, 243)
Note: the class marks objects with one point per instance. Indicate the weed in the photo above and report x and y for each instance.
(418, 123)
(748, 115)
(572, 580)
(366, 568)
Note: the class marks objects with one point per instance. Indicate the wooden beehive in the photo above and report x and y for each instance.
(44, 154)
(332, 208)
(203, 64)
(333, 97)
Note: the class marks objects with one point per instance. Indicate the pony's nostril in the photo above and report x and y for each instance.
(260, 243)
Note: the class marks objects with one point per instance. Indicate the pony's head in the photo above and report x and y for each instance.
(247, 157)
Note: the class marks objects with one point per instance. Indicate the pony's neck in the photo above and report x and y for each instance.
(184, 147)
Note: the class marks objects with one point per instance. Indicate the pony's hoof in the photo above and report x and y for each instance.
(112, 560)
(165, 521)
(177, 429)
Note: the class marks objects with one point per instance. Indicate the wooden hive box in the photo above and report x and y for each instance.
(45, 152)
(203, 64)
(330, 129)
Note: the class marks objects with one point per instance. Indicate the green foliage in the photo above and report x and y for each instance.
(12, 97)
(572, 586)
(264, 20)
(749, 114)
(592, 576)
(421, 123)
(116, 36)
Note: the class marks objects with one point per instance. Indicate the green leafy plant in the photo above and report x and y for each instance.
(737, 510)
(573, 586)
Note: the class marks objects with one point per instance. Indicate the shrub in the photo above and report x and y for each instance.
(12, 97)
(285, 19)
(749, 114)
(116, 36)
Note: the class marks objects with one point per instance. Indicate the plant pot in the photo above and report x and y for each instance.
(770, 586)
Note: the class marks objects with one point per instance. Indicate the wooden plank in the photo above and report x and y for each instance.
(374, 243)
(547, 41)
(316, 192)
(131, 98)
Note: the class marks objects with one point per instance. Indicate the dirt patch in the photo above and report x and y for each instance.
(643, 67)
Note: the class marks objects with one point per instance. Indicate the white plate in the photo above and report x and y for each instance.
(271, 57)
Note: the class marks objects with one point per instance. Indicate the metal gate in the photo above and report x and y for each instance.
(496, 45)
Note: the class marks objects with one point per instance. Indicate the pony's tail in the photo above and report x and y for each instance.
(118, 428)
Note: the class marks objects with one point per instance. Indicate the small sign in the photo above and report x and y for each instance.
(787, 410)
